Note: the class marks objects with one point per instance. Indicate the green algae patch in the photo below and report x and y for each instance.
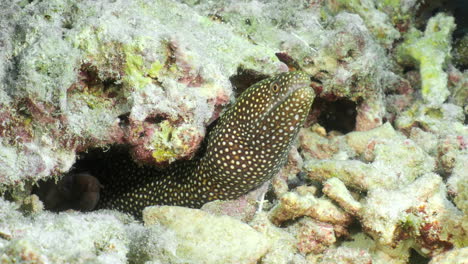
(154, 69)
(162, 144)
(162, 155)
(434, 113)
(430, 51)
(136, 74)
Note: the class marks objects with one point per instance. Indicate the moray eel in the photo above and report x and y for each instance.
(247, 147)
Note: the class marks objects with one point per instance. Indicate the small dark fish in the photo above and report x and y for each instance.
(78, 191)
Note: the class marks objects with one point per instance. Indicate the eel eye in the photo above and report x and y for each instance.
(275, 87)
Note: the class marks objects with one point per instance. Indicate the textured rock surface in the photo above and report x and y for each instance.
(62, 238)
(205, 238)
(384, 159)
(453, 256)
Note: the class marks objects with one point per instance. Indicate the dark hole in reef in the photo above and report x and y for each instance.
(339, 115)
(456, 8)
(77, 188)
(80, 188)
(155, 119)
(270, 196)
(89, 74)
(90, 77)
(216, 18)
(124, 120)
(314, 79)
(244, 78)
(67, 24)
(408, 68)
(416, 258)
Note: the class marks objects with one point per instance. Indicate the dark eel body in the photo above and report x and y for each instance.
(247, 147)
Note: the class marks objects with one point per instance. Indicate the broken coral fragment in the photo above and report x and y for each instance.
(430, 52)
(302, 202)
(337, 191)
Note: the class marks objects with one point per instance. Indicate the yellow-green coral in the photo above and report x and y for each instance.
(163, 151)
(430, 52)
(135, 72)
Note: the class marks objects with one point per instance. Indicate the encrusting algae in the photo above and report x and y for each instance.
(248, 146)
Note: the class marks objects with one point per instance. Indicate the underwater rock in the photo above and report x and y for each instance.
(457, 184)
(342, 255)
(350, 65)
(61, 238)
(313, 236)
(283, 243)
(365, 245)
(31, 205)
(459, 255)
(419, 212)
(244, 208)
(458, 86)
(205, 238)
(377, 15)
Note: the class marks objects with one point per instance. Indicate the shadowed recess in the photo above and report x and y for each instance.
(339, 115)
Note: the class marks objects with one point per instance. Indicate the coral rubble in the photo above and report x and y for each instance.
(378, 175)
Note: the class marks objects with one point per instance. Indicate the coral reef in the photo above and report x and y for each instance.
(74, 80)
(378, 174)
(383, 159)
